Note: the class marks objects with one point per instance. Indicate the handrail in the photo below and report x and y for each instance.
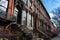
(44, 34)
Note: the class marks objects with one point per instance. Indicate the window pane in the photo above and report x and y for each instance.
(44, 27)
(24, 17)
(29, 20)
(30, 4)
(25, 1)
(4, 3)
(3, 6)
(14, 15)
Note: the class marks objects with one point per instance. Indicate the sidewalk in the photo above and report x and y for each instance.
(57, 37)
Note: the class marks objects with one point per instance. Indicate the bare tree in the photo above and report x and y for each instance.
(56, 18)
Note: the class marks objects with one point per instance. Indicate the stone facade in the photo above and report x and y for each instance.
(32, 19)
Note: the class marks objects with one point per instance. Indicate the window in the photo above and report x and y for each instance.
(3, 8)
(32, 8)
(44, 27)
(40, 25)
(30, 4)
(24, 18)
(14, 15)
(30, 20)
(25, 1)
(3, 5)
(35, 9)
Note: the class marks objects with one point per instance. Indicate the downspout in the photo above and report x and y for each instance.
(10, 7)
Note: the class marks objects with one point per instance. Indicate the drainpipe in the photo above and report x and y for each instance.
(10, 7)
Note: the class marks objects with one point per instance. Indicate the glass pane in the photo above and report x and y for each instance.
(25, 1)
(3, 3)
(24, 17)
(14, 15)
(29, 20)
(30, 4)
(44, 27)
(3, 6)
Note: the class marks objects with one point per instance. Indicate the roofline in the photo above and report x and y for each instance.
(44, 8)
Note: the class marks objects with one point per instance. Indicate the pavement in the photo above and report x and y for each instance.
(56, 38)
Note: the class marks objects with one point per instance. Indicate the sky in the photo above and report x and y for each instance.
(51, 5)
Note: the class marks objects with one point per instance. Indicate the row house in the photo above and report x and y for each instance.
(27, 18)
(53, 29)
(40, 20)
